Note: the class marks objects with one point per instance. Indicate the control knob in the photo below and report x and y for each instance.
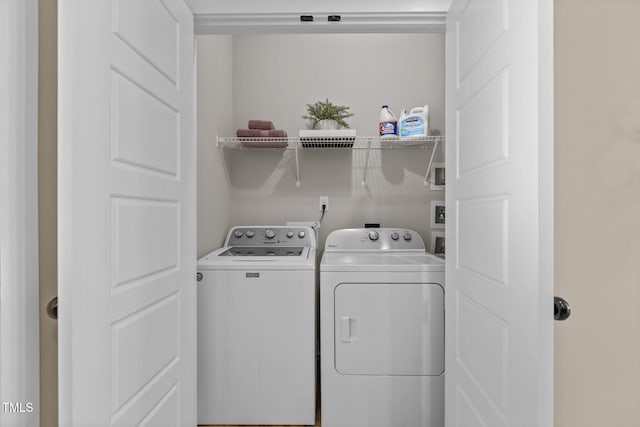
(238, 233)
(373, 235)
(269, 234)
(406, 236)
(301, 234)
(395, 236)
(289, 234)
(250, 234)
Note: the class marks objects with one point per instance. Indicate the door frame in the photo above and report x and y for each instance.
(546, 205)
(30, 203)
(19, 303)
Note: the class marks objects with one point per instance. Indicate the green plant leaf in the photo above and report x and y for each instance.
(327, 111)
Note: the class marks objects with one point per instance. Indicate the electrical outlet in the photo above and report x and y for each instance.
(324, 200)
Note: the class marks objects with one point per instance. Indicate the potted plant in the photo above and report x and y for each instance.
(325, 115)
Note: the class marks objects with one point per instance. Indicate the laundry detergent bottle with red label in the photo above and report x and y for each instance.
(388, 125)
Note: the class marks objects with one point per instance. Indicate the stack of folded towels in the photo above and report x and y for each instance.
(261, 129)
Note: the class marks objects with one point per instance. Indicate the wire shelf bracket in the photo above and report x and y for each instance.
(352, 143)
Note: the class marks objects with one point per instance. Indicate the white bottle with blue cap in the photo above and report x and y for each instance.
(414, 124)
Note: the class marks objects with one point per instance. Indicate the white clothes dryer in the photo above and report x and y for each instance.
(257, 328)
(381, 330)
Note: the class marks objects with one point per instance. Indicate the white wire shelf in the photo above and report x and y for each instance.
(344, 143)
(349, 143)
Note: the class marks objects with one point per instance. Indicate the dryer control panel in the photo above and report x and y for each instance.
(375, 239)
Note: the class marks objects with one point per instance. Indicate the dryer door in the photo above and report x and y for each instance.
(389, 329)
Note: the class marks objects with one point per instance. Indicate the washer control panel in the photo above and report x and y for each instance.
(381, 239)
(271, 236)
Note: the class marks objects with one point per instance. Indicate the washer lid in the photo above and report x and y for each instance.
(381, 261)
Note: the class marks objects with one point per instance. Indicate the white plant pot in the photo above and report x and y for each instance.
(327, 125)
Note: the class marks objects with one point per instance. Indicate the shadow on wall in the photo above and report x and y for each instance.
(273, 171)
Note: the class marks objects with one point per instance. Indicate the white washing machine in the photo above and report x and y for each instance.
(381, 330)
(257, 328)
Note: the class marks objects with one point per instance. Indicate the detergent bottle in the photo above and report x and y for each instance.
(388, 125)
(415, 123)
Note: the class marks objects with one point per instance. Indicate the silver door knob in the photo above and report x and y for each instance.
(561, 309)
(52, 308)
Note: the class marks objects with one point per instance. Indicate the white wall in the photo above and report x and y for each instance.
(214, 116)
(275, 76)
(18, 213)
(597, 217)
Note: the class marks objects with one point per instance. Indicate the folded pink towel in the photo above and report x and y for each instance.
(261, 133)
(252, 133)
(253, 138)
(261, 124)
(256, 143)
(276, 133)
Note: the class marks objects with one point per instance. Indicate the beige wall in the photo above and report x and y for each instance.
(597, 221)
(47, 209)
(275, 76)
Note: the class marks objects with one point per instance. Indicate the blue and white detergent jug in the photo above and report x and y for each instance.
(388, 124)
(415, 123)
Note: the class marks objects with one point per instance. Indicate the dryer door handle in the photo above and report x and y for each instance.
(346, 329)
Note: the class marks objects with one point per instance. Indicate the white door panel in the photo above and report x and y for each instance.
(157, 42)
(127, 213)
(498, 203)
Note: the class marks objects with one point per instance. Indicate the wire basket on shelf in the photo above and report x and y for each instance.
(341, 138)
